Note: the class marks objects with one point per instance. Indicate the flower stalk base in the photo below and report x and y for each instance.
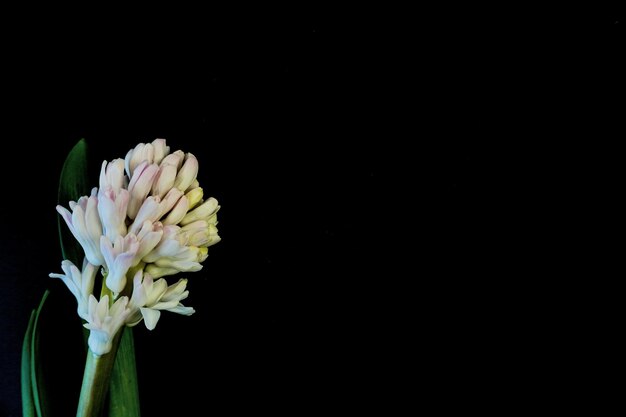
(96, 378)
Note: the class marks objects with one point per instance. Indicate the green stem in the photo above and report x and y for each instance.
(94, 390)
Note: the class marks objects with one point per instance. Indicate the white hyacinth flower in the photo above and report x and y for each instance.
(164, 180)
(178, 212)
(149, 211)
(203, 212)
(194, 197)
(172, 254)
(148, 236)
(112, 206)
(112, 175)
(200, 233)
(149, 214)
(187, 174)
(119, 256)
(160, 150)
(151, 152)
(140, 185)
(84, 223)
(175, 159)
(151, 297)
(79, 283)
(104, 322)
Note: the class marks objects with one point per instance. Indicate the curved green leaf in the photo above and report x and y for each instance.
(28, 404)
(36, 374)
(33, 388)
(124, 391)
(73, 184)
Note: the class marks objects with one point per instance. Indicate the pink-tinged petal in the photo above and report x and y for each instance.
(112, 208)
(187, 173)
(112, 174)
(67, 216)
(170, 200)
(92, 219)
(175, 159)
(88, 277)
(178, 212)
(127, 159)
(166, 248)
(140, 186)
(142, 153)
(106, 247)
(149, 212)
(164, 180)
(160, 150)
(149, 238)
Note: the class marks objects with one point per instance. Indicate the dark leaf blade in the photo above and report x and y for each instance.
(36, 374)
(124, 391)
(73, 184)
(28, 404)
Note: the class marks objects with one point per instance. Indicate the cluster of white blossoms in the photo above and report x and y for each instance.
(148, 219)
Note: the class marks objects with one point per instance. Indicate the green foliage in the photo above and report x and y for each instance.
(33, 389)
(124, 391)
(72, 185)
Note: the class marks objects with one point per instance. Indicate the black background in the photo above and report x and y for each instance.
(379, 173)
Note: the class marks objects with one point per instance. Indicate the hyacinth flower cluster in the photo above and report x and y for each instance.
(147, 220)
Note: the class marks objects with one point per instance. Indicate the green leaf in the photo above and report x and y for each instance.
(73, 184)
(36, 374)
(33, 395)
(124, 391)
(28, 404)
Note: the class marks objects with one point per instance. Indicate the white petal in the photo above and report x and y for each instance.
(187, 173)
(164, 180)
(139, 186)
(195, 197)
(149, 211)
(150, 317)
(178, 212)
(181, 309)
(158, 272)
(175, 159)
(160, 150)
(201, 212)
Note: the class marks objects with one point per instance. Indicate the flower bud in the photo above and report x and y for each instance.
(202, 212)
(178, 212)
(194, 197)
(164, 180)
(112, 175)
(175, 159)
(160, 150)
(140, 185)
(187, 173)
(142, 153)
